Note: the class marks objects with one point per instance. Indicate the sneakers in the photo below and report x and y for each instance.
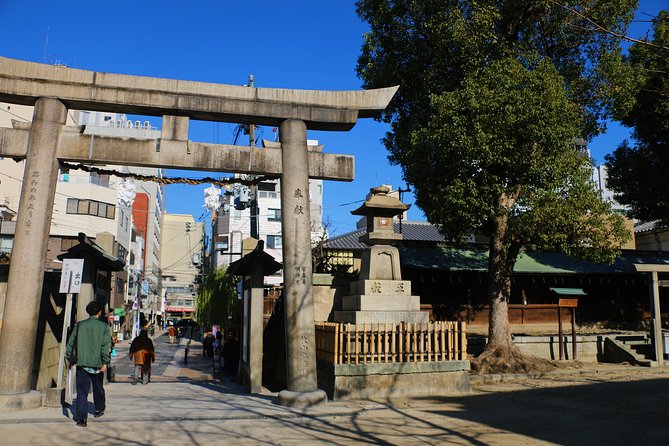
(98, 414)
(82, 423)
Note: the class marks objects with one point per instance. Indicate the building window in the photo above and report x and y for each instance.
(273, 214)
(266, 194)
(67, 243)
(101, 179)
(83, 207)
(267, 186)
(222, 242)
(274, 241)
(90, 207)
(6, 243)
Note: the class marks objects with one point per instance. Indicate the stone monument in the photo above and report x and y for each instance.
(381, 295)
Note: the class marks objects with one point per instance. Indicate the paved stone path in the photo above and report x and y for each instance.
(602, 404)
(170, 361)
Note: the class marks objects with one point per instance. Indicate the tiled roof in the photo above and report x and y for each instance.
(647, 226)
(411, 231)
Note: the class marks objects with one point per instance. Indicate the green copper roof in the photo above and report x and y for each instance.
(568, 291)
(532, 262)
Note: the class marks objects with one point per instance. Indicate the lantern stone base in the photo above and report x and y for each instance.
(380, 302)
(382, 317)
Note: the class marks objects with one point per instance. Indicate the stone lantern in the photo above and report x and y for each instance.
(381, 295)
(381, 260)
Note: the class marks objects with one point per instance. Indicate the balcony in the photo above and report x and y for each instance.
(98, 181)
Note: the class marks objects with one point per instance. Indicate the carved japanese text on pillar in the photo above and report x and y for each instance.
(31, 202)
(376, 287)
(300, 275)
(299, 208)
(304, 355)
(400, 288)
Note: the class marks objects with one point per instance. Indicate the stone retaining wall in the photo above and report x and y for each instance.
(391, 380)
(589, 348)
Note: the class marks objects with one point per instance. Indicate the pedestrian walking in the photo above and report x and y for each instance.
(208, 345)
(143, 354)
(89, 348)
(231, 354)
(171, 332)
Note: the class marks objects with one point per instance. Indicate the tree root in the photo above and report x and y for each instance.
(508, 359)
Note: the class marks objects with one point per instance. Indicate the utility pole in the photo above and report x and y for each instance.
(253, 189)
(136, 308)
(255, 232)
(401, 192)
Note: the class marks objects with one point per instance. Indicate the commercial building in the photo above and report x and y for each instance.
(181, 263)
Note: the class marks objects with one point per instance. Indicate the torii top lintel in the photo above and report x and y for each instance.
(25, 82)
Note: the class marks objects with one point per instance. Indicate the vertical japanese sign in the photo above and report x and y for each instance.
(71, 275)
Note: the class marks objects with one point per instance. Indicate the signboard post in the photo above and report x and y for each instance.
(70, 282)
(571, 304)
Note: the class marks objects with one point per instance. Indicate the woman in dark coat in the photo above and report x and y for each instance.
(143, 354)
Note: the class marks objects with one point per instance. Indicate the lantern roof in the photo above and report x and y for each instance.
(381, 204)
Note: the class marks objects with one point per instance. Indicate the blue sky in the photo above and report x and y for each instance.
(291, 44)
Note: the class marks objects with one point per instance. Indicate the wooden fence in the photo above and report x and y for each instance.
(340, 343)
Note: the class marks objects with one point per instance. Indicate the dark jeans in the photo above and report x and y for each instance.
(84, 381)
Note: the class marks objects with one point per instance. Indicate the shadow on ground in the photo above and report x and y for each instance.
(634, 412)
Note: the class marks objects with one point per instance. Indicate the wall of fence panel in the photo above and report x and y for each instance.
(340, 343)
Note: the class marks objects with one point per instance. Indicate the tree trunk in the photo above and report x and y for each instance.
(501, 355)
(499, 286)
(504, 249)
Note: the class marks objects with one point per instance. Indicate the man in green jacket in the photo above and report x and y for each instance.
(93, 357)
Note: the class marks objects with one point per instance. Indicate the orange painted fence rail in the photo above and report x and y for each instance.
(341, 343)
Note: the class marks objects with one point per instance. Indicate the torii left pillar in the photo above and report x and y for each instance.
(22, 305)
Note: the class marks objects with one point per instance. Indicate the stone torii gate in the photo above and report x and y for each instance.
(53, 90)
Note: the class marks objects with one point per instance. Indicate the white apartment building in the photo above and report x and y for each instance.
(232, 225)
(88, 202)
(600, 176)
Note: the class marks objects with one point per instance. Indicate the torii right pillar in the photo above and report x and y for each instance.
(302, 389)
(653, 271)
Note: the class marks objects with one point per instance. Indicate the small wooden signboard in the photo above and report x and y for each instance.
(568, 303)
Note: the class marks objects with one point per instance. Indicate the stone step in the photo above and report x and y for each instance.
(626, 352)
(633, 339)
(643, 349)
